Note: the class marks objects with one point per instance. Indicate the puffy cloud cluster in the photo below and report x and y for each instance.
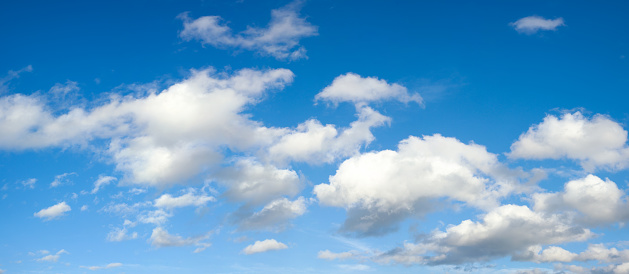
(380, 189)
(594, 142)
(599, 202)
(161, 238)
(53, 258)
(279, 39)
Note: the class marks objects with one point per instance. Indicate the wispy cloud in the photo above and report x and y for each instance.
(533, 24)
(279, 39)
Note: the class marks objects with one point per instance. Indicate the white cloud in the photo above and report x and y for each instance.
(380, 189)
(352, 87)
(121, 234)
(156, 139)
(30, 183)
(84, 208)
(108, 266)
(123, 209)
(274, 216)
(594, 142)
(156, 217)
(263, 246)
(188, 199)
(279, 39)
(52, 258)
(508, 230)
(329, 255)
(600, 202)
(102, 181)
(62, 179)
(314, 143)
(53, 212)
(256, 183)
(533, 24)
(161, 238)
(594, 252)
(12, 75)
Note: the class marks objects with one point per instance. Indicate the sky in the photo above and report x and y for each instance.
(329, 136)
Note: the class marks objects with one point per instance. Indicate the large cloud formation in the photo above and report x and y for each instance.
(380, 189)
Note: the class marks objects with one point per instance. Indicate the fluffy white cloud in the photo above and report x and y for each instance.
(508, 230)
(533, 24)
(599, 202)
(314, 143)
(52, 258)
(102, 181)
(264, 246)
(188, 199)
(594, 252)
(380, 189)
(352, 87)
(279, 39)
(161, 238)
(108, 266)
(256, 183)
(594, 142)
(160, 138)
(329, 255)
(274, 216)
(156, 217)
(53, 212)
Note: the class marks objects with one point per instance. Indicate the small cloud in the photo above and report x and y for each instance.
(53, 212)
(84, 208)
(102, 181)
(12, 75)
(52, 258)
(30, 183)
(62, 179)
(532, 24)
(264, 246)
(108, 266)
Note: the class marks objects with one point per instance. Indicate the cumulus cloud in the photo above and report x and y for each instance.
(600, 202)
(108, 266)
(353, 88)
(102, 181)
(533, 24)
(257, 184)
(594, 142)
(156, 139)
(380, 189)
(189, 199)
(314, 143)
(264, 246)
(594, 252)
(274, 216)
(53, 212)
(279, 39)
(52, 258)
(509, 230)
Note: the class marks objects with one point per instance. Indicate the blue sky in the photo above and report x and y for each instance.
(315, 136)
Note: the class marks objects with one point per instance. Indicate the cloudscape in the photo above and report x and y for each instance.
(314, 137)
